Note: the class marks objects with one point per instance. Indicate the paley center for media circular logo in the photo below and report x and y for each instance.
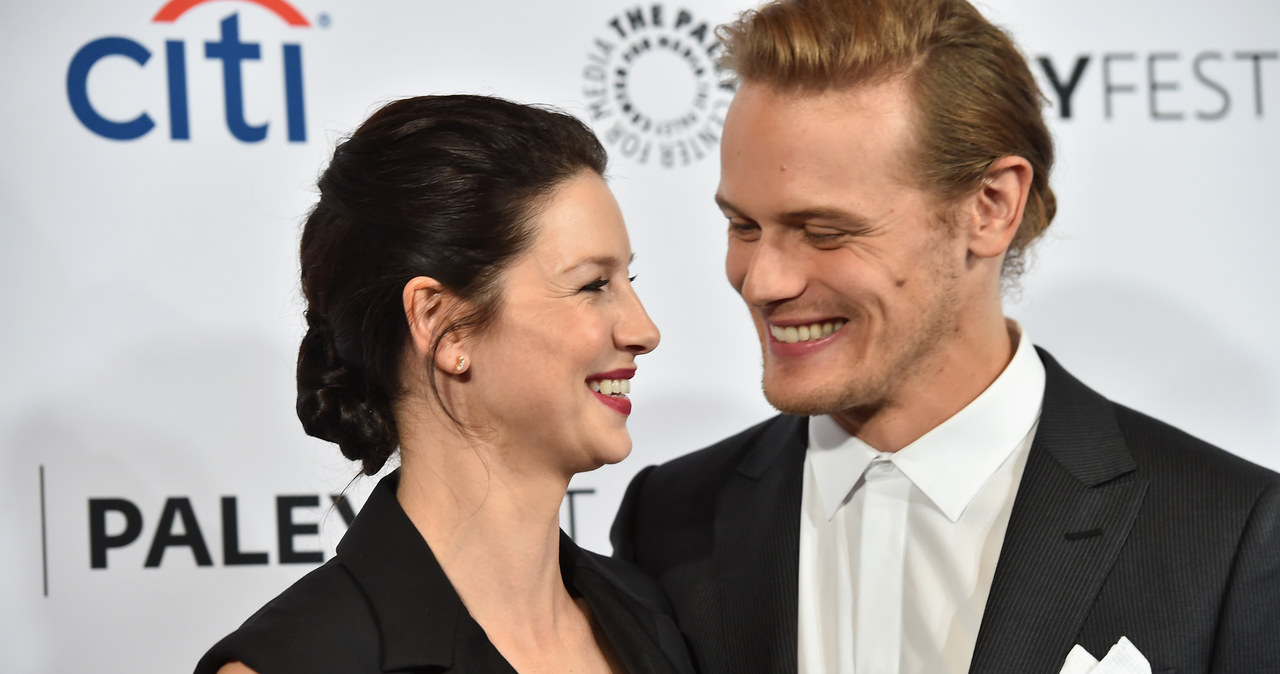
(654, 91)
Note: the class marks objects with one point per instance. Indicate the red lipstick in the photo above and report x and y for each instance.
(620, 373)
(618, 403)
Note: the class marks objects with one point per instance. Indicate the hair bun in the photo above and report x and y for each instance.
(333, 403)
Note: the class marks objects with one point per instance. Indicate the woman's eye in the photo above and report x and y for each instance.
(595, 286)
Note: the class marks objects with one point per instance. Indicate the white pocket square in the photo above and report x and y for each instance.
(1123, 658)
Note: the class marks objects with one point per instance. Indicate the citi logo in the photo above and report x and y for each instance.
(235, 55)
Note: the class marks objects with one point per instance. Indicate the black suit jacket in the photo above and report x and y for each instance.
(1122, 526)
(383, 604)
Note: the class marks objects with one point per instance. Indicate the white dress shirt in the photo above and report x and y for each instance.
(898, 550)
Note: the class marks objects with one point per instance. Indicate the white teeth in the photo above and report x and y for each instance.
(610, 386)
(805, 333)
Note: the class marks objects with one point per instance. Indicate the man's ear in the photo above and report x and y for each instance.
(998, 206)
(428, 306)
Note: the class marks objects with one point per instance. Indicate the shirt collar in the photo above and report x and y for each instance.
(950, 463)
(838, 461)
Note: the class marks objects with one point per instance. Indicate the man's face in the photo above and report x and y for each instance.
(827, 228)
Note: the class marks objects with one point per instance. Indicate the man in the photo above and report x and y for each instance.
(939, 495)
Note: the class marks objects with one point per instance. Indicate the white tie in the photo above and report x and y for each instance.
(878, 632)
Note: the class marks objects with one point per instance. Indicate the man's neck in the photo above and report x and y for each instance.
(936, 390)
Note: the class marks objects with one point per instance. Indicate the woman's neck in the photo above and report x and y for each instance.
(490, 510)
(493, 529)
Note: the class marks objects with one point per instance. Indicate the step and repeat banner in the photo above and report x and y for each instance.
(155, 486)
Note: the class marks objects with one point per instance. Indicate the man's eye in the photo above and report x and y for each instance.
(595, 286)
(822, 235)
(743, 230)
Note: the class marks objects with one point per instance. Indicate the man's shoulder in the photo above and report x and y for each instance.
(1161, 448)
(758, 444)
(678, 499)
(1080, 415)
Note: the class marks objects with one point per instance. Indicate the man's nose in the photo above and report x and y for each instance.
(774, 273)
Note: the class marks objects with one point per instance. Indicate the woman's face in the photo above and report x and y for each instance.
(567, 334)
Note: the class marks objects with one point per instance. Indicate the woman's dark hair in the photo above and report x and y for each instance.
(439, 186)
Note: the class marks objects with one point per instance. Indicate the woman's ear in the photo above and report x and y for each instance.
(428, 305)
(999, 205)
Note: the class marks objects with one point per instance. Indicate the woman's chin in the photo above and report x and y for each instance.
(605, 456)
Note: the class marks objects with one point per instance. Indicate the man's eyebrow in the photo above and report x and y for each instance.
(725, 205)
(831, 215)
(803, 215)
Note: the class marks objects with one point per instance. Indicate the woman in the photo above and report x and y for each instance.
(468, 302)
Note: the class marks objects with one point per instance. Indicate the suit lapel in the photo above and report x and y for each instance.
(1072, 514)
(757, 550)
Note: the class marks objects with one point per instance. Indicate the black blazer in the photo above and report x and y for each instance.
(1122, 526)
(383, 604)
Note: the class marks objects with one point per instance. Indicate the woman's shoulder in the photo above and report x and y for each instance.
(321, 623)
(627, 603)
(622, 576)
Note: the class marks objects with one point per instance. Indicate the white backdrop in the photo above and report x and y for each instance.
(151, 311)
